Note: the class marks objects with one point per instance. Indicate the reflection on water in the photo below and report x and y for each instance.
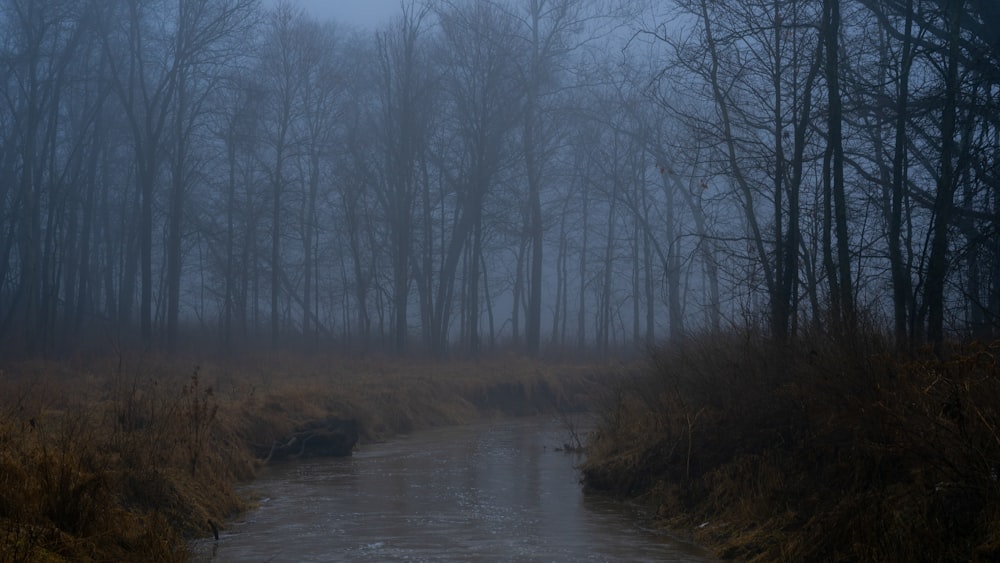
(491, 492)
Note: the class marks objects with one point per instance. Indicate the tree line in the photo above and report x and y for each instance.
(537, 175)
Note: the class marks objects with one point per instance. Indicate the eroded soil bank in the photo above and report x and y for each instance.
(130, 458)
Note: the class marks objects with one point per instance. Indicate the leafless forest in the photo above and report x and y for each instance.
(544, 176)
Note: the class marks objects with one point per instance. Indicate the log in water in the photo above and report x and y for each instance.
(489, 492)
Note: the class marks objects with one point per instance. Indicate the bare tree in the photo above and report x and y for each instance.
(208, 36)
(405, 85)
(45, 42)
(485, 102)
(944, 200)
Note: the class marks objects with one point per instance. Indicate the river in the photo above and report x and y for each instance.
(488, 492)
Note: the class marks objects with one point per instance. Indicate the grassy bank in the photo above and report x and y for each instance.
(813, 452)
(125, 459)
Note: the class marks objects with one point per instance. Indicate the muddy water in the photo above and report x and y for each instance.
(492, 492)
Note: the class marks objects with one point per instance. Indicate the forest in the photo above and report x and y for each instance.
(543, 176)
(755, 240)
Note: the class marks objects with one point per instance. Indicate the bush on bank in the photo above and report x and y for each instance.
(817, 451)
(127, 460)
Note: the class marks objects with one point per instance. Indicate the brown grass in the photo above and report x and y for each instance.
(126, 458)
(821, 451)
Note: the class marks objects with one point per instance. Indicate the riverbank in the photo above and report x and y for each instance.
(127, 458)
(818, 451)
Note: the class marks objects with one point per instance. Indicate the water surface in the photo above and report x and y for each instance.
(487, 492)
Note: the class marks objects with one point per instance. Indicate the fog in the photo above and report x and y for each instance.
(548, 177)
(367, 14)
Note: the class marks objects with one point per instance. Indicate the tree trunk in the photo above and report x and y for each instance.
(533, 323)
(581, 326)
(846, 313)
(745, 190)
(176, 214)
(937, 269)
(276, 191)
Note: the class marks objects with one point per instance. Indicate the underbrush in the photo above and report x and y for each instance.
(118, 471)
(816, 451)
(126, 459)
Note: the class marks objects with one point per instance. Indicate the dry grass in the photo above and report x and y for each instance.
(126, 458)
(821, 451)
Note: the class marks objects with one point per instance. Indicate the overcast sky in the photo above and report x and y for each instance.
(360, 13)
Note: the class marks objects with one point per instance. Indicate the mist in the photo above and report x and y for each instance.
(452, 179)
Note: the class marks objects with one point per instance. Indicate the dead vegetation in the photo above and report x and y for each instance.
(127, 459)
(817, 451)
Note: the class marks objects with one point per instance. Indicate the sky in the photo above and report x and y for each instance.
(359, 13)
